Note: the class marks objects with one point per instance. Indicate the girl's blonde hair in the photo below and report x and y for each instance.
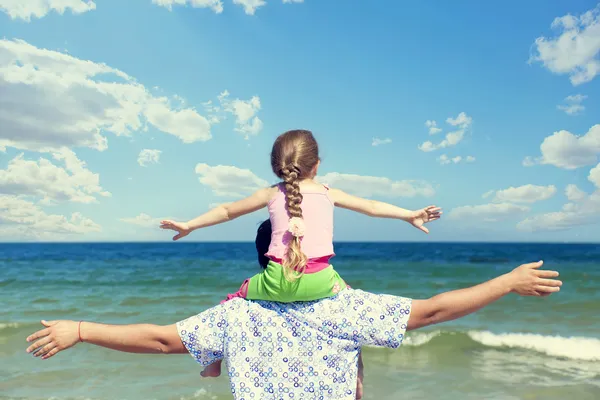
(293, 158)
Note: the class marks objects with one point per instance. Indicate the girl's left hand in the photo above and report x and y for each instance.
(181, 228)
(423, 216)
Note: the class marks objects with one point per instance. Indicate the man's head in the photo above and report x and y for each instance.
(263, 240)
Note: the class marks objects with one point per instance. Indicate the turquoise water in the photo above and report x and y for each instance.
(518, 348)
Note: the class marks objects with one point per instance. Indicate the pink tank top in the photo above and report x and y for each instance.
(317, 212)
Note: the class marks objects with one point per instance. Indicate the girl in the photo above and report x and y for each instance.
(301, 216)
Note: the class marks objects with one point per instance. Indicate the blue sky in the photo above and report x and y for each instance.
(116, 114)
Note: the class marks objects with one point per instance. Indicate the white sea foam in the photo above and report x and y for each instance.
(575, 348)
(7, 325)
(421, 338)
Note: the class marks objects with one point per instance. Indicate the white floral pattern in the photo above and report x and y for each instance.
(296, 350)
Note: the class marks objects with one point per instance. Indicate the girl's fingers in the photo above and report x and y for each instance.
(433, 209)
(51, 353)
(38, 334)
(35, 347)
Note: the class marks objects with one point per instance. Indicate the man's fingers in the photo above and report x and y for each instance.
(434, 210)
(45, 350)
(177, 237)
(546, 273)
(423, 229)
(51, 353)
(38, 334)
(549, 282)
(546, 289)
(34, 347)
(535, 264)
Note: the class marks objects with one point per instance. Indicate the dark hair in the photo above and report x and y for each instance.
(293, 158)
(262, 242)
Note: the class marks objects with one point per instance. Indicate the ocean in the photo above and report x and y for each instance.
(517, 348)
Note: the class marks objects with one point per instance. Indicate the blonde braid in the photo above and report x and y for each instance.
(294, 264)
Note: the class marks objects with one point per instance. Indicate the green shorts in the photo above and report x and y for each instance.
(271, 285)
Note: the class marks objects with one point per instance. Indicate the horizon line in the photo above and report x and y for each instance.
(339, 242)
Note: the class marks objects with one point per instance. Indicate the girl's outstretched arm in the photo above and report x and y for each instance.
(222, 213)
(379, 209)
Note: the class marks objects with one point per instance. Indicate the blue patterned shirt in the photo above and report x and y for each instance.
(295, 350)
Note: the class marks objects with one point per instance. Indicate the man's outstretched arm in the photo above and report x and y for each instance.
(526, 280)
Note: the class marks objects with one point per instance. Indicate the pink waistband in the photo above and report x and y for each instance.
(313, 265)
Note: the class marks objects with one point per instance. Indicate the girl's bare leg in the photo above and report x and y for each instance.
(212, 371)
(359, 381)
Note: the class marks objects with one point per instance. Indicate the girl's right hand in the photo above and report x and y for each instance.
(529, 280)
(181, 228)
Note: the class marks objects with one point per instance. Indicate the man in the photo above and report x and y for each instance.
(298, 350)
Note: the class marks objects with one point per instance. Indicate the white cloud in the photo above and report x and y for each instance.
(379, 142)
(247, 122)
(22, 219)
(575, 98)
(462, 122)
(573, 193)
(566, 150)
(488, 194)
(574, 50)
(445, 160)
(372, 186)
(26, 9)
(432, 126)
(148, 156)
(491, 212)
(523, 194)
(583, 209)
(250, 6)
(226, 180)
(215, 5)
(73, 182)
(143, 220)
(573, 104)
(50, 100)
